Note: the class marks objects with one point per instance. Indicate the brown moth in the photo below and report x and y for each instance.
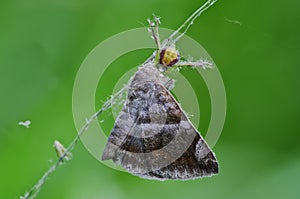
(152, 136)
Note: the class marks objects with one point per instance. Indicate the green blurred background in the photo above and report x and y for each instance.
(43, 43)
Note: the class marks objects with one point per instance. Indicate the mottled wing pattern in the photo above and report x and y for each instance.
(153, 138)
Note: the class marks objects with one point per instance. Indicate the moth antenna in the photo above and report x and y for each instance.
(190, 21)
(154, 30)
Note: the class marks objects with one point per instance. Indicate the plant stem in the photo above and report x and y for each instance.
(32, 193)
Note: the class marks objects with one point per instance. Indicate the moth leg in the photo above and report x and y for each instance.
(154, 30)
(201, 63)
(169, 84)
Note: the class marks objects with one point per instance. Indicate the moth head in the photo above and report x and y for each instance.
(169, 56)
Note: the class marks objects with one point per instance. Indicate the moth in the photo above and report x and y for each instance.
(152, 136)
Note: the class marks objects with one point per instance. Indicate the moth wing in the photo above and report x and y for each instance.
(153, 138)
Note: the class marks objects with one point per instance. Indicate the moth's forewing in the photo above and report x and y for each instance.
(152, 136)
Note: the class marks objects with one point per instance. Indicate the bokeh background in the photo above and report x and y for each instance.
(255, 45)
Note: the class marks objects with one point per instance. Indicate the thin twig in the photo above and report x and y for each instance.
(188, 23)
(37, 187)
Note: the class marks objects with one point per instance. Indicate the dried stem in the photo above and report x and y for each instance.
(37, 187)
(190, 21)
